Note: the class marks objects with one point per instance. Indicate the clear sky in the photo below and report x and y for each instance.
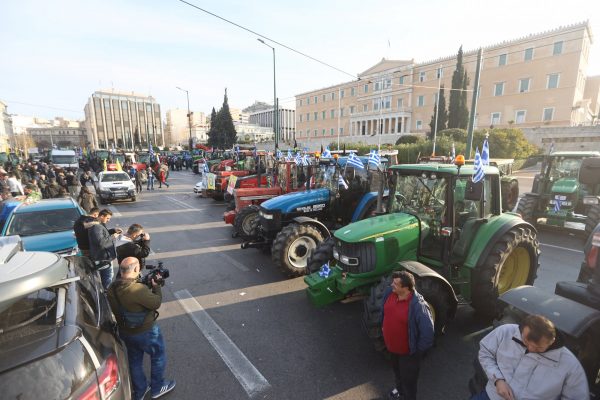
(55, 54)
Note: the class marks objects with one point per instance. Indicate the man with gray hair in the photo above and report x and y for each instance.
(135, 306)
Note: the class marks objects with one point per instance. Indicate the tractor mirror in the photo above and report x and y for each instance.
(473, 190)
(589, 173)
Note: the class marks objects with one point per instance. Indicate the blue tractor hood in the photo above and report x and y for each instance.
(289, 202)
(51, 242)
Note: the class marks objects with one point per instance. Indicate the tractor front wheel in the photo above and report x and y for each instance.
(526, 208)
(293, 246)
(244, 222)
(512, 262)
(322, 255)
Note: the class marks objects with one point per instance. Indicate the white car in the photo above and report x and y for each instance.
(114, 185)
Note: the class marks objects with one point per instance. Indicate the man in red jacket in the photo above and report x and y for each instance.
(407, 332)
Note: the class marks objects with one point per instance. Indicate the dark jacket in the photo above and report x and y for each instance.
(102, 246)
(83, 179)
(420, 322)
(126, 247)
(134, 297)
(81, 228)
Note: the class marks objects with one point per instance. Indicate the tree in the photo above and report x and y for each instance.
(458, 113)
(442, 119)
(213, 131)
(228, 133)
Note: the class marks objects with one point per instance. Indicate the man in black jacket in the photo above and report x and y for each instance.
(81, 227)
(134, 243)
(102, 247)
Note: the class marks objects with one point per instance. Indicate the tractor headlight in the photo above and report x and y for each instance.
(590, 200)
(265, 215)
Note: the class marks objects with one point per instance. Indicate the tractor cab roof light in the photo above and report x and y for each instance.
(459, 161)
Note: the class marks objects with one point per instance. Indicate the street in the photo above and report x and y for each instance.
(236, 328)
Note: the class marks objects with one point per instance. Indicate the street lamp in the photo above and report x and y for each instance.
(275, 108)
(189, 115)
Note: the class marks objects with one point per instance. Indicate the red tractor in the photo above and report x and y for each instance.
(287, 177)
(246, 173)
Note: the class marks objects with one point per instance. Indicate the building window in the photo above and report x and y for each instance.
(400, 102)
(419, 124)
(351, 91)
(351, 110)
(548, 114)
(316, 115)
(331, 132)
(420, 101)
(524, 85)
(499, 89)
(366, 88)
(502, 59)
(315, 132)
(552, 82)
(402, 79)
(324, 98)
(342, 94)
(341, 112)
(307, 100)
(323, 115)
(387, 83)
(377, 86)
(300, 103)
(387, 102)
(341, 130)
(528, 54)
(376, 104)
(307, 117)
(316, 99)
(520, 116)
(422, 76)
(439, 73)
(331, 113)
(495, 118)
(300, 133)
(365, 107)
(557, 49)
(323, 132)
(300, 117)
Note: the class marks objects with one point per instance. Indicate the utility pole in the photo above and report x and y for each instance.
(275, 105)
(474, 105)
(189, 116)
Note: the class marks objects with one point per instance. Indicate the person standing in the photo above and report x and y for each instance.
(138, 180)
(102, 247)
(133, 243)
(72, 184)
(407, 331)
(14, 185)
(86, 178)
(162, 177)
(134, 305)
(81, 229)
(87, 200)
(150, 183)
(530, 361)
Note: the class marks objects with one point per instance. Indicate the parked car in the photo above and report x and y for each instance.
(114, 185)
(46, 225)
(57, 335)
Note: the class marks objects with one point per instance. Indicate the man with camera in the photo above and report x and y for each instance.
(134, 243)
(134, 305)
(102, 247)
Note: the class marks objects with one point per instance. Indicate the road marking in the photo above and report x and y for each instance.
(114, 210)
(233, 261)
(244, 371)
(198, 251)
(561, 248)
(181, 203)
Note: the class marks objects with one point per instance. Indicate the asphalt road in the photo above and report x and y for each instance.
(236, 328)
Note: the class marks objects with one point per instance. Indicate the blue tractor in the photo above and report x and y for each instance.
(294, 224)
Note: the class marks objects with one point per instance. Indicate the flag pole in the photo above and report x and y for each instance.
(437, 108)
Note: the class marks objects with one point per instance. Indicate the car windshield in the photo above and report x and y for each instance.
(40, 222)
(114, 177)
(64, 159)
(565, 167)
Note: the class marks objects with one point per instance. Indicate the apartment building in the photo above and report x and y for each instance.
(123, 120)
(6, 127)
(177, 128)
(537, 80)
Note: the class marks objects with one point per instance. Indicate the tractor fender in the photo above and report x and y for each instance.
(489, 233)
(423, 271)
(317, 224)
(365, 203)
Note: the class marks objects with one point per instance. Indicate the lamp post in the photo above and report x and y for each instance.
(189, 115)
(275, 107)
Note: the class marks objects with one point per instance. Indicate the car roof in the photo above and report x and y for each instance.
(46, 205)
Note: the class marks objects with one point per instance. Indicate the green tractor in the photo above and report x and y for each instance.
(559, 195)
(449, 232)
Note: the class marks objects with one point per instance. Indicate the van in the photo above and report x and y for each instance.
(64, 158)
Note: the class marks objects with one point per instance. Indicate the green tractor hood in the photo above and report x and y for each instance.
(373, 228)
(565, 186)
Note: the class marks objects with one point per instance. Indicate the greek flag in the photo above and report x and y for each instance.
(289, 155)
(254, 153)
(237, 149)
(206, 166)
(326, 153)
(485, 153)
(342, 182)
(354, 161)
(278, 154)
(556, 205)
(478, 173)
(374, 158)
(150, 152)
(453, 151)
(305, 160)
(325, 271)
(298, 159)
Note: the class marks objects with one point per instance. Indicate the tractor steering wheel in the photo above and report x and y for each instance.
(401, 199)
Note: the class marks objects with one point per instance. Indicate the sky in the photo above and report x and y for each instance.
(57, 53)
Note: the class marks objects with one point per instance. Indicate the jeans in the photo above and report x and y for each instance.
(106, 276)
(481, 396)
(406, 371)
(150, 342)
(150, 185)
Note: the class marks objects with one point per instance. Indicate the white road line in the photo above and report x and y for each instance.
(181, 203)
(114, 210)
(244, 371)
(561, 248)
(230, 259)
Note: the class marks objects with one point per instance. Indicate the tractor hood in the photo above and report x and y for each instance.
(381, 226)
(565, 186)
(292, 201)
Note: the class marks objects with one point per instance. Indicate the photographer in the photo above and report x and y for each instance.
(134, 305)
(102, 247)
(134, 243)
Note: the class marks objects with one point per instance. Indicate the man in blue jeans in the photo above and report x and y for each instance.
(102, 247)
(134, 305)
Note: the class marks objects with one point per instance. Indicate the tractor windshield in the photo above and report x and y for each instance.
(326, 177)
(420, 195)
(563, 167)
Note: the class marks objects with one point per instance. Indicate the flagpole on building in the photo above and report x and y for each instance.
(339, 116)
(437, 109)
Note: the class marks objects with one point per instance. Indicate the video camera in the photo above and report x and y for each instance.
(158, 274)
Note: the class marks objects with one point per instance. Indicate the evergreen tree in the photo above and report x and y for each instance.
(457, 107)
(227, 129)
(443, 117)
(213, 131)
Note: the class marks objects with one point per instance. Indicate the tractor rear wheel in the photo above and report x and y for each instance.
(293, 246)
(322, 255)
(435, 296)
(244, 220)
(593, 218)
(526, 208)
(512, 262)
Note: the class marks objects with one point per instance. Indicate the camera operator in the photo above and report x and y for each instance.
(134, 243)
(135, 304)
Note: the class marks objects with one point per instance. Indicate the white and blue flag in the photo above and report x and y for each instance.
(342, 182)
(355, 162)
(290, 156)
(325, 270)
(556, 205)
(305, 160)
(326, 153)
(374, 158)
(278, 154)
(298, 159)
(150, 152)
(478, 173)
(206, 170)
(485, 153)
